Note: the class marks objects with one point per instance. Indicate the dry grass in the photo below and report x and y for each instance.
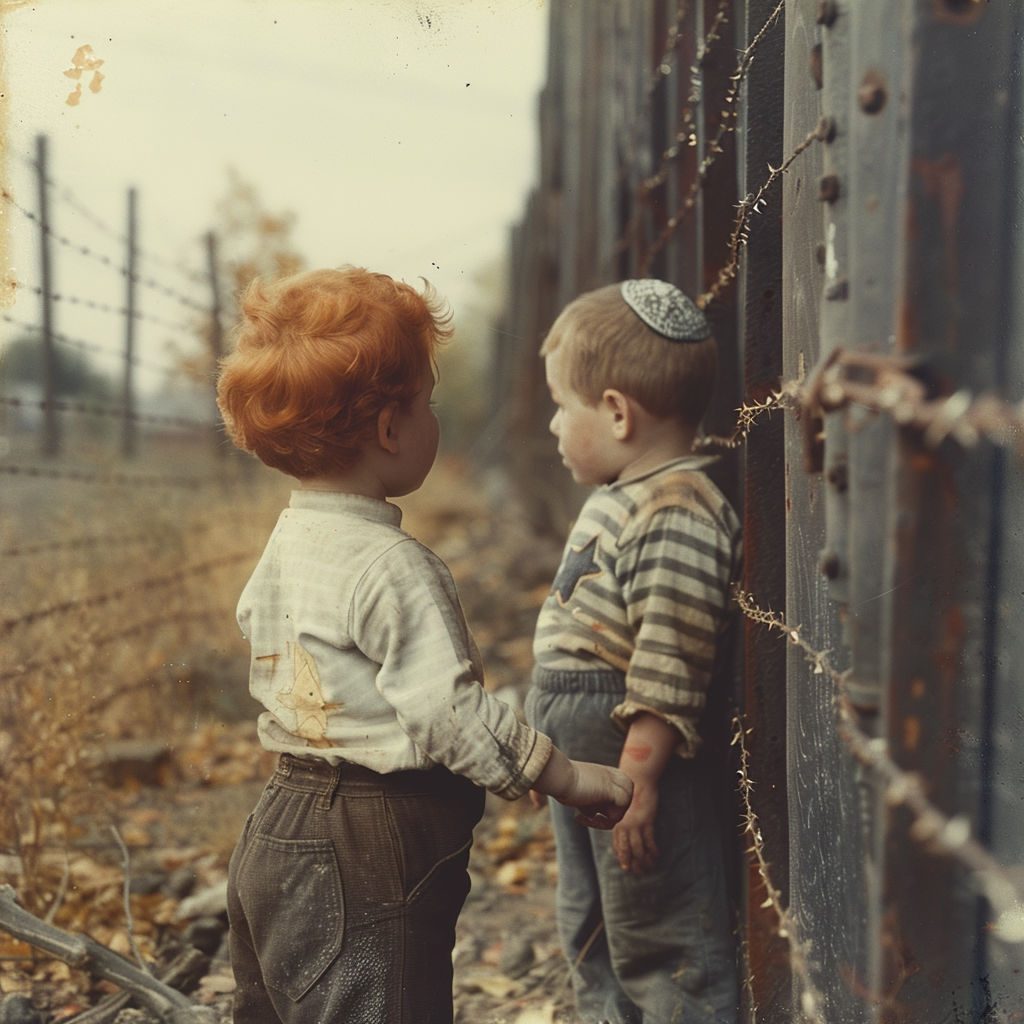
(118, 624)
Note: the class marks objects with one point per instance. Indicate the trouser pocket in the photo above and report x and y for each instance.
(292, 896)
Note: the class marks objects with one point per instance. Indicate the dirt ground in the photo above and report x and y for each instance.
(179, 805)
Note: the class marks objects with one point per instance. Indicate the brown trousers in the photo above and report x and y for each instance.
(343, 893)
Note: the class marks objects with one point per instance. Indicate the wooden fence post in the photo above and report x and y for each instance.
(216, 337)
(51, 427)
(129, 436)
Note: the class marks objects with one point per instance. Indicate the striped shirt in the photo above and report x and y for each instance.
(361, 652)
(644, 586)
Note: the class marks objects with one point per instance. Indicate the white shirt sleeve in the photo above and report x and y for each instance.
(405, 615)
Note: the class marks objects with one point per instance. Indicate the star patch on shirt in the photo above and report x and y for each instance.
(578, 564)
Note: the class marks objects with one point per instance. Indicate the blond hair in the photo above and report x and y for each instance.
(609, 346)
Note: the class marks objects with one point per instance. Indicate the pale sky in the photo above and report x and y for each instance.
(402, 135)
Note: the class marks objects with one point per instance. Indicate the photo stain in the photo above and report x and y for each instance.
(84, 60)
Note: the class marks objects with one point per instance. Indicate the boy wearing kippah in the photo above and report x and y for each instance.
(624, 650)
(344, 888)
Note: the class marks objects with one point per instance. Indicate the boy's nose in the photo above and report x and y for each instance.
(553, 425)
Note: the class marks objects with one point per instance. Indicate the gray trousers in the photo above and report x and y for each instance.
(343, 893)
(656, 948)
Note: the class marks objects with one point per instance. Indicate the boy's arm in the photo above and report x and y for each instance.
(649, 744)
(675, 578)
(676, 585)
(406, 616)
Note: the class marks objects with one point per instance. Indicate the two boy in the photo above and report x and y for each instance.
(347, 881)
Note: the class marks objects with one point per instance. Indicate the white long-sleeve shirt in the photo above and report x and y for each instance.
(361, 652)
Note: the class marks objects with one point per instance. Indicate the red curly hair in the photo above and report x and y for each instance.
(317, 356)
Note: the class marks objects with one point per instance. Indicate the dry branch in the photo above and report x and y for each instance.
(182, 973)
(84, 953)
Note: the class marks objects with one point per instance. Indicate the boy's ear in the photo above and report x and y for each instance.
(623, 416)
(386, 428)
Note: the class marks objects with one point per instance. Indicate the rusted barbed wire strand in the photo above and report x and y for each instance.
(811, 1000)
(85, 346)
(747, 416)
(104, 307)
(935, 831)
(78, 543)
(893, 390)
(129, 590)
(107, 261)
(686, 132)
(661, 70)
(888, 384)
(136, 629)
(713, 149)
(66, 195)
(113, 412)
(753, 203)
(119, 479)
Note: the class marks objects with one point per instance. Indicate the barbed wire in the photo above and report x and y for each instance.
(811, 1000)
(936, 832)
(885, 384)
(66, 195)
(748, 415)
(120, 479)
(713, 149)
(103, 307)
(880, 384)
(107, 261)
(662, 69)
(86, 346)
(130, 590)
(687, 132)
(753, 202)
(135, 629)
(111, 411)
(78, 543)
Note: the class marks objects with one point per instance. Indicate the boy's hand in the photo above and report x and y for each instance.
(645, 754)
(538, 800)
(633, 837)
(601, 794)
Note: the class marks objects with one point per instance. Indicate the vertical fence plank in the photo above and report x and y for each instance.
(764, 524)
(825, 849)
(950, 503)
(1005, 782)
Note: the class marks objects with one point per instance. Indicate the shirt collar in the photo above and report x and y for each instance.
(689, 463)
(351, 504)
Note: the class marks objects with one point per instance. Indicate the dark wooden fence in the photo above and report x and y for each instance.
(840, 182)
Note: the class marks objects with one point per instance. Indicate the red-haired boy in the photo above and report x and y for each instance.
(347, 881)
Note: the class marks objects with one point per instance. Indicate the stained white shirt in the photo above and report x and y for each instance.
(361, 652)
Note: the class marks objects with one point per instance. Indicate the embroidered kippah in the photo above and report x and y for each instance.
(666, 310)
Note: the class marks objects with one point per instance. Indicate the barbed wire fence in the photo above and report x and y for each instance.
(125, 534)
(637, 154)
